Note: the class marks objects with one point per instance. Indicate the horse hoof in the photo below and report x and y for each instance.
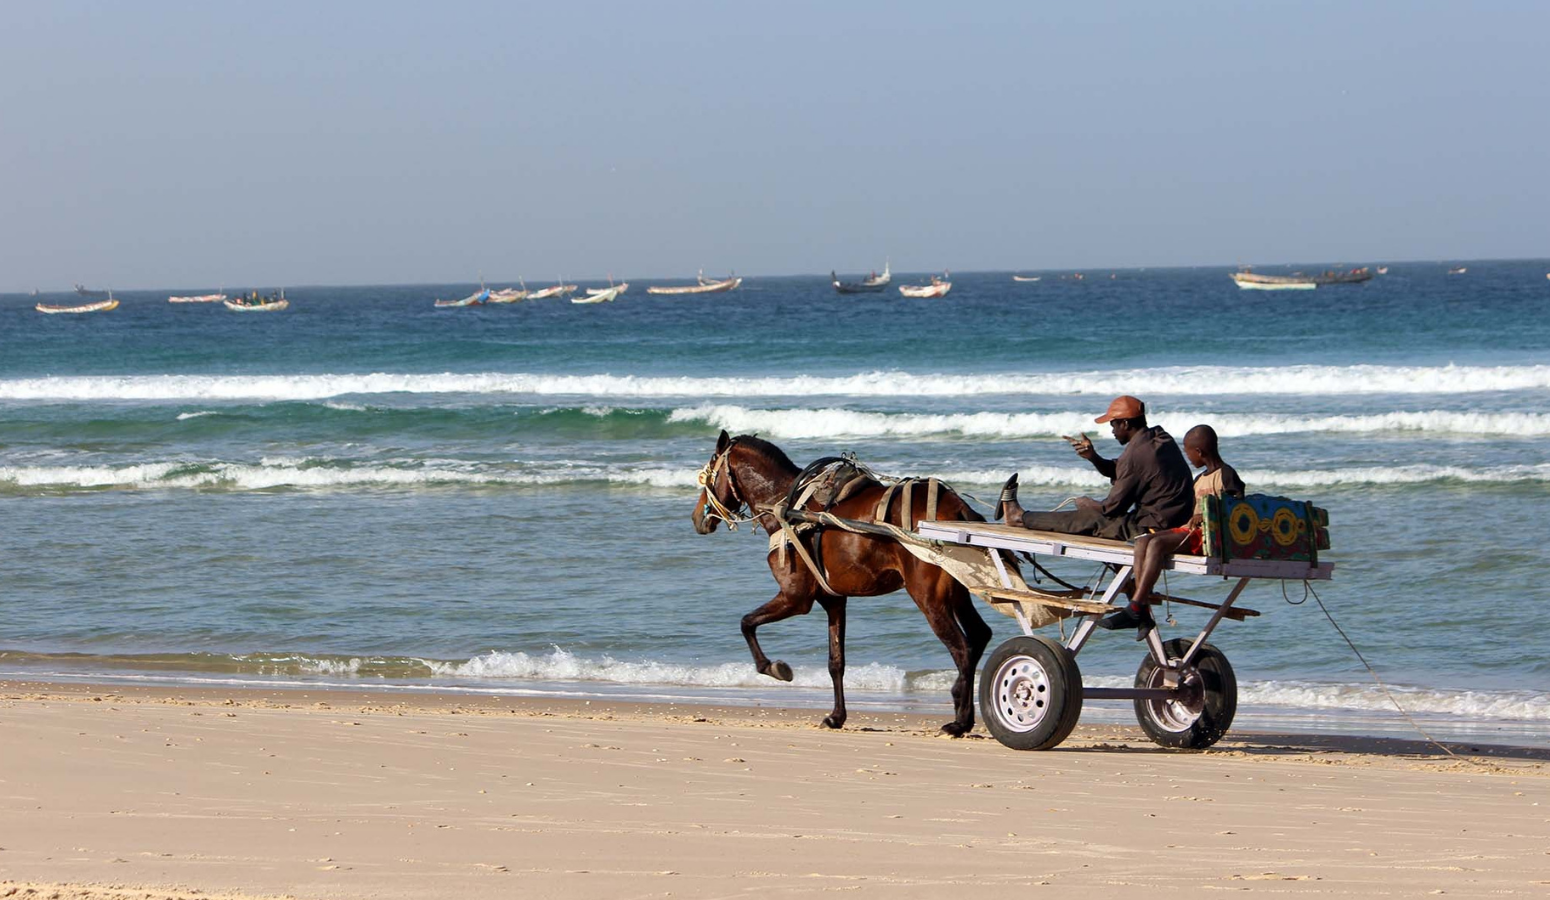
(779, 670)
(953, 729)
(833, 722)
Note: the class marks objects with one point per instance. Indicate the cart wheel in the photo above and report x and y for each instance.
(1207, 701)
(1030, 693)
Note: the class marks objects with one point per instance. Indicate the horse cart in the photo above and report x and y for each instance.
(1185, 693)
(838, 530)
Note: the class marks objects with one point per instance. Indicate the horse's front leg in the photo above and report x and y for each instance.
(835, 607)
(783, 606)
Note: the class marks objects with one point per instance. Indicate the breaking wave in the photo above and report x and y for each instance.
(836, 423)
(558, 665)
(1176, 380)
(295, 473)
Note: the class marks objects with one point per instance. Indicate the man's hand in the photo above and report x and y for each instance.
(1087, 503)
(1083, 445)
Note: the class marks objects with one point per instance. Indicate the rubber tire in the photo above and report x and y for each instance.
(1056, 678)
(1218, 701)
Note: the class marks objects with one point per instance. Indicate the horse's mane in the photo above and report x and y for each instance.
(771, 452)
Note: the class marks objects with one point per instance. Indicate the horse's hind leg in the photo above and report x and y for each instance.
(938, 600)
(978, 635)
(835, 607)
(781, 607)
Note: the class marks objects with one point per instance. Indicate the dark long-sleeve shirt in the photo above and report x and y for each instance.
(1152, 476)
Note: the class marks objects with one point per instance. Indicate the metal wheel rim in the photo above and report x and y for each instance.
(1023, 693)
(1180, 713)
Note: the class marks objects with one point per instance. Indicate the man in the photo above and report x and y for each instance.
(1152, 488)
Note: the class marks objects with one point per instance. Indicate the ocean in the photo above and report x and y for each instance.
(366, 491)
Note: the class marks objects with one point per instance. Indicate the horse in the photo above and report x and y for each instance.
(747, 476)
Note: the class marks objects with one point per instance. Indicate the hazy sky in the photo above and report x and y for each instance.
(203, 144)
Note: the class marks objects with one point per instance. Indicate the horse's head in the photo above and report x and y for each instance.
(719, 499)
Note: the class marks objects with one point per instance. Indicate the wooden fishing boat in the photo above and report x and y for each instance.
(1350, 276)
(937, 288)
(1253, 281)
(99, 306)
(90, 292)
(705, 286)
(473, 299)
(1026, 278)
(871, 284)
(618, 289)
(201, 298)
(1459, 271)
(1383, 270)
(599, 296)
(508, 295)
(559, 290)
(254, 303)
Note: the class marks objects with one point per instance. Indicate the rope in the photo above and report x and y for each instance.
(1309, 591)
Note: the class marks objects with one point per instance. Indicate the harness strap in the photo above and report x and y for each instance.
(933, 488)
(881, 513)
(906, 506)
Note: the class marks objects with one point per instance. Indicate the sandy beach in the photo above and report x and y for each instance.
(118, 793)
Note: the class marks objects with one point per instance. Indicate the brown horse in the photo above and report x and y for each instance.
(748, 473)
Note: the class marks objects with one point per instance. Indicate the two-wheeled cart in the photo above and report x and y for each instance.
(1185, 693)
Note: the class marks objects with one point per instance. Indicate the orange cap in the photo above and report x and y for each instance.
(1126, 407)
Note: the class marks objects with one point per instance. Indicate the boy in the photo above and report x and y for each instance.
(1218, 479)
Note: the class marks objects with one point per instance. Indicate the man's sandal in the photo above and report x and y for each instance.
(1008, 495)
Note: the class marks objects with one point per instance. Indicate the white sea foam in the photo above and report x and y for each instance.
(286, 472)
(294, 473)
(842, 423)
(195, 415)
(561, 665)
(1175, 380)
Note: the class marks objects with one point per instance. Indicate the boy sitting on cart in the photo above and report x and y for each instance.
(1152, 550)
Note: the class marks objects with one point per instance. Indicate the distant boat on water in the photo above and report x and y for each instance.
(871, 284)
(1350, 276)
(1026, 278)
(1459, 271)
(508, 295)
(603, 295)
(561, 289)
(473, 299)
(1383, 270)
(99, 306)
(90, 292)
(617, 289)
(255, 303)
(705, 286)
(1253, 281)
(198, 298)
(937, 288)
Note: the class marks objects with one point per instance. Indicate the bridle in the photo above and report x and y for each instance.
(707, 479)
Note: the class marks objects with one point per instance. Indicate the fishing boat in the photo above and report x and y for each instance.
(1253, 281)
(1350, 276)
(705, 286)
(507, 295)
(561, 289)
(1026, 278)
(937, 288)
(871, 284)
(473, 299)
(618, 289)
(1383, 270)
(603, 295)
(99, 306)
(254, 303)
(200, 298)
(89, 292)
(1459, 271)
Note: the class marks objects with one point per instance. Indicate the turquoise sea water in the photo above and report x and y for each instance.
(365, 490)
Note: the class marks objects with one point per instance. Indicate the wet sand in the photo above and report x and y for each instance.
(113, 793)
